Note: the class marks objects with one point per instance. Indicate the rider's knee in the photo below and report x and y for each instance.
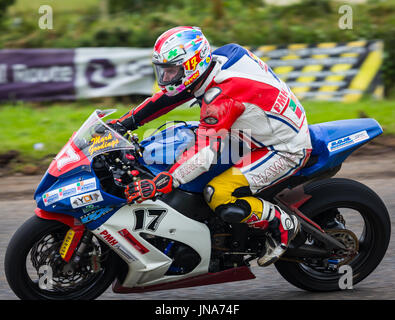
(234, 212)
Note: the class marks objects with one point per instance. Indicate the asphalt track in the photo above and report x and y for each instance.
(377, 172)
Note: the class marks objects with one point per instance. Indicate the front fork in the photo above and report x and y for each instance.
(76, 238)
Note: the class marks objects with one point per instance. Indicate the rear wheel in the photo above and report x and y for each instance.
(35, 270)
(354, 215)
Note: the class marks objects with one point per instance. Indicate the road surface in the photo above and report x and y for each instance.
(376, 172)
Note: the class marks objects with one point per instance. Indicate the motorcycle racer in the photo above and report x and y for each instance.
(238, 94)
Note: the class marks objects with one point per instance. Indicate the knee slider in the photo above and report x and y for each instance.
(208, 192)
(234, 212)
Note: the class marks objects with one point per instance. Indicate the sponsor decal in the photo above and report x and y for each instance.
(108, 238)
(66, 243)
(281, 101)
(346, 141)
(104, 142)
(132, 240)
(90, 208)
(124, 252)
(95, 214)
(85, 199)
(268, 174)
(192, 63)
(68, 191)
(50, 198)
(191, 78)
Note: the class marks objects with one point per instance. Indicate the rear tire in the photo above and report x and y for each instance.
(335, 193)
(19, 250)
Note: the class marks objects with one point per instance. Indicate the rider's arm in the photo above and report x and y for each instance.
(216, 119)
(152, 108)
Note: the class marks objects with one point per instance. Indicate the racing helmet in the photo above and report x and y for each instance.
(181, 56)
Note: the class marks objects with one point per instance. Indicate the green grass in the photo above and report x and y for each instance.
(383, 111)
(24, 125)
(58, 6)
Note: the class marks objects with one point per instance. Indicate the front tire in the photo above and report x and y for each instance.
(39, 240)
(329, 195)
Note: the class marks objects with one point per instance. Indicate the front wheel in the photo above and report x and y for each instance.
(35, 270)
(356, 216)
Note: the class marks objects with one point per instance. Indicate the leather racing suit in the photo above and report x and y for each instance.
(240, 96)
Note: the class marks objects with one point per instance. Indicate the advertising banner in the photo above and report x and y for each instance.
(324, 71)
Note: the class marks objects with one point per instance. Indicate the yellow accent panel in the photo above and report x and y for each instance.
(297, 46)
(323, 96)
(296, 90)
(155, 87)
(312, 68)
(267, 48)
(256, 207)
(328, 88)
(224, 185)
(282, 70)
(365, 75)
(319, 56)
(341, 67)
(66, 243)
(291, 57)
(379, 92)
(306, 79)
(352, 97)
(327, 45)
(334, 77)
(349, 55)
(356, 43)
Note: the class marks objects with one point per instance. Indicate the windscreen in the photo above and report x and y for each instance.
(93, 138)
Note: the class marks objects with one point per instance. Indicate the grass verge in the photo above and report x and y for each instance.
(24, 125)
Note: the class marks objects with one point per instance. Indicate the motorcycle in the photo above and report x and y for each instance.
(85, 237)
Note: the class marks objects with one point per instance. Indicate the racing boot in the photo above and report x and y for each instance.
(282, 229)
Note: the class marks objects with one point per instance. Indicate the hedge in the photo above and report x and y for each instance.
(245, 22)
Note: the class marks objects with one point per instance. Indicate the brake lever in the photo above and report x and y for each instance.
(134, 139)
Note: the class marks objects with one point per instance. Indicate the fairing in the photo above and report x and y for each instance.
(70, 186)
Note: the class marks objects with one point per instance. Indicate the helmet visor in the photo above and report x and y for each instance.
(168, 73)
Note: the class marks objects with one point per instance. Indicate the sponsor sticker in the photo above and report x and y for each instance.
(108, 238)
(86, 199)
(347, 141)
(102, 143)
(68, 191)
(50, 198)
(94, 215)
(124, 252)
(66, 243)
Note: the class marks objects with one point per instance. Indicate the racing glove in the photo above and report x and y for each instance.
(142, 190)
